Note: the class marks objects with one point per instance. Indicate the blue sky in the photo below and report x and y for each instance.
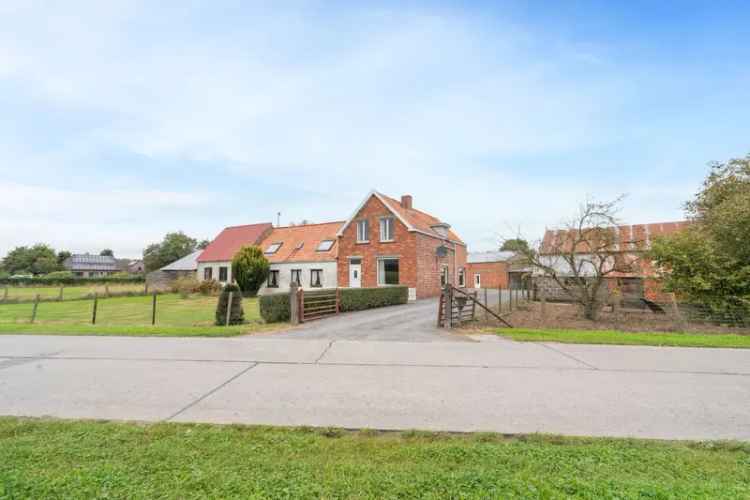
(122, 121)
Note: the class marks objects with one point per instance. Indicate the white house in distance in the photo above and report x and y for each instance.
(215, 262)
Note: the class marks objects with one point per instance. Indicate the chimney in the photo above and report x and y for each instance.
(406, 201)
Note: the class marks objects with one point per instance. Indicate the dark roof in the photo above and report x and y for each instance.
(88, 262)
(231, 239)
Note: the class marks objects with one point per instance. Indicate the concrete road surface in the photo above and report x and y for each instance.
(486, 385)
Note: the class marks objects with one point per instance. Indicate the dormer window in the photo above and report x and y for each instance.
(273, 248)
(324, 246)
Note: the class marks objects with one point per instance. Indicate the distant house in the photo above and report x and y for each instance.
(628, 245)
(91, 266)
(215, 262)
(131, 266)
(496, 269)
(185, 267)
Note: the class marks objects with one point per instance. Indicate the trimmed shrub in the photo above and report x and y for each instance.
(59, 275)
(44, 281)
(274, 307)
(237, 315)
(359, 299)
(250, 269)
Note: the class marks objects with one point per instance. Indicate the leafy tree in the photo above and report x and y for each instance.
(709, 263)
(62, 255)
(107, 252)
(250, 269)
(203, 244)
(515, 245)
(174, 246)
(38, 259)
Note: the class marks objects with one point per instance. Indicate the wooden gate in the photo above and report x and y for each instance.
(457, 306)
(318, 304)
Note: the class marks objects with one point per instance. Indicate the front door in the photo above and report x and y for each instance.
(355, 274)
(477, 280)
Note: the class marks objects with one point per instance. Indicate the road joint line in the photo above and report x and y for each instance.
(569, 356)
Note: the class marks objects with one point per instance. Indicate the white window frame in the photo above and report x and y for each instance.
(381, 276)
(298, 273)
(312, 280)
(445, 276)
(363, 231)
(384, 226)
(273, 248)
(319, 249)
(275, 283)
(462, 278)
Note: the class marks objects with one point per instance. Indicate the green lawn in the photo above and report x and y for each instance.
(77, 459)
(625, 338)
(28, 293)
(175, 316)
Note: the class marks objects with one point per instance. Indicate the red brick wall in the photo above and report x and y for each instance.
(419, 268)
(404, 247)
(492, 274)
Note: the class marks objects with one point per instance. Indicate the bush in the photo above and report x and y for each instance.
(250, 269)
(237, 315)
(185, 285)
(359, 299)
(209, 287)
(59, 275)
(274, 307)
(44, 281)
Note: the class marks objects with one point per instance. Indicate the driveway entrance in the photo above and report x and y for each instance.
(413, 322)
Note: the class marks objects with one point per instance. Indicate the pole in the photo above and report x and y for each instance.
(229, 307)
(33, 311)
(293, 304)
(5, 295)
(60, 295)
(145, 289)
(106, 289)
(153, 310)
(485, 303)
(93, 314)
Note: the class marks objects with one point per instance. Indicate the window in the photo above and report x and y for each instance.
(363, 231)
(461, 278)
(297, 276)
(273, 248)
(324, 246)
(223, 274)
(273, 279)
(386, 229)
(444, 276)
(208, 273)
(388, 272)
(316, 278)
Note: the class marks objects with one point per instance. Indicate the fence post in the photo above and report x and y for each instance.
(486, 304)
(60, 295)
(293, 304)
(543, 305)
(678, 318)
(153, 310)
(448, 310)
(106, 289)
(229, 308)
(33, 311)
(5, 295)
(145, 289)
(93, 314)
(301, 296)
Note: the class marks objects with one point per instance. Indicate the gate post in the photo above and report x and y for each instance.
(293, 304)
(448, 310)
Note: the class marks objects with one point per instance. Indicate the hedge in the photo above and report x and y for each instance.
(42, 281)
(275, 307)
(237, 313)
(359, 299)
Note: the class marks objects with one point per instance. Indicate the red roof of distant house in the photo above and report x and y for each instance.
(630, 238)
(231, 239)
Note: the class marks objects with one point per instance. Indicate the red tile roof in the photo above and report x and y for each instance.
(419, 220)
(231, 239)
(628, 238)
(300, 243)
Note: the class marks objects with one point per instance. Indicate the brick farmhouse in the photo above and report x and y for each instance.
(384, 242)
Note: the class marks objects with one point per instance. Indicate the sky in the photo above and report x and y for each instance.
(121, 121)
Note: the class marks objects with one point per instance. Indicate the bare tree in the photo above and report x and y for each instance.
(584, 253)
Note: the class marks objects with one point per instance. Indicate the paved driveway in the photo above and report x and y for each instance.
(488, 385)
(413, 322)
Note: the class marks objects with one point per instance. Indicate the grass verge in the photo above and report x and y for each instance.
(139, 331)
(613, 337)
(42, 458)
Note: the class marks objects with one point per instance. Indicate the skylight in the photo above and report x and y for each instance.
(273, 248)
(324, 246)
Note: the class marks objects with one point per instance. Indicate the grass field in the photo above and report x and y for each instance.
(78, 459)
(625, 338)
(175, 316)
(24, 293)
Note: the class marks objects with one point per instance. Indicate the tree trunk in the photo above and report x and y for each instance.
(591, 310)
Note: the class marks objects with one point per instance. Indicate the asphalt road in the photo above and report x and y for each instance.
(486, 385)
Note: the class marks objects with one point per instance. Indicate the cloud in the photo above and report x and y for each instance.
(319, 107)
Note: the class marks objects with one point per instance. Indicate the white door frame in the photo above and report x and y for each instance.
(355, 275)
